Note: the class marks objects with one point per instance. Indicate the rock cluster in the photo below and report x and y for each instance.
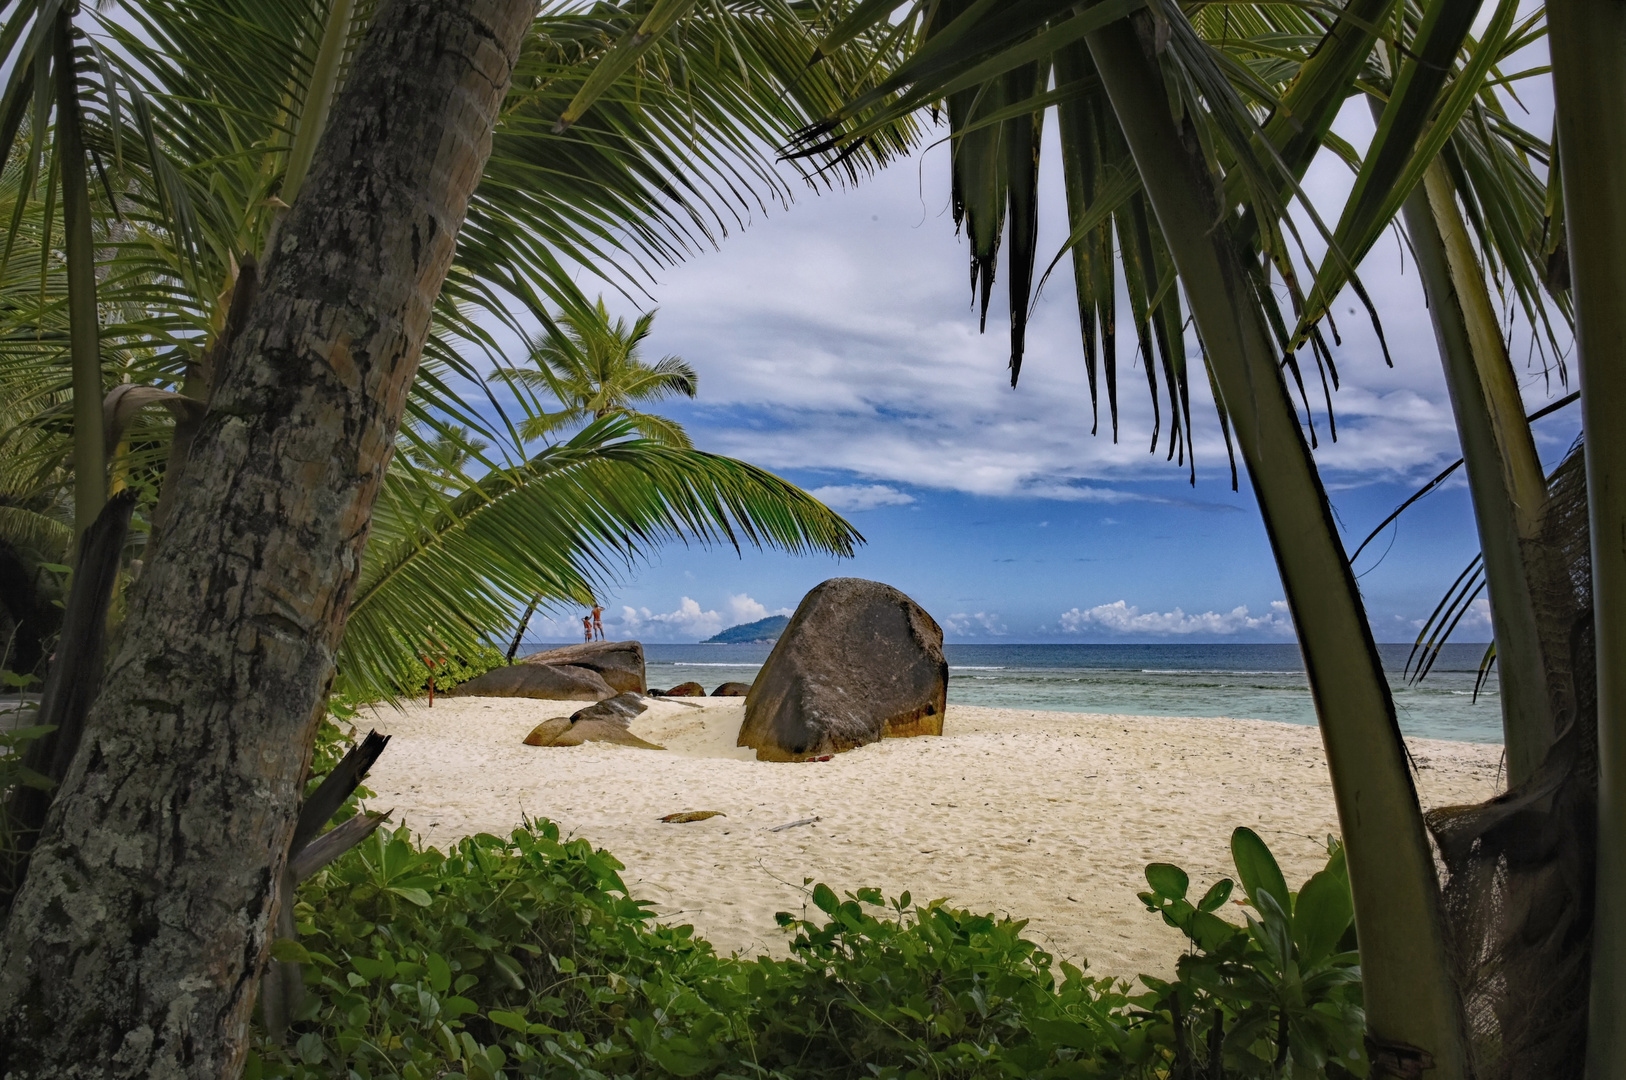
(608, 721)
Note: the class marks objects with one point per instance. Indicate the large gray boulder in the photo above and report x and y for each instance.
(548, 681)
(618, 663)
(859, 662)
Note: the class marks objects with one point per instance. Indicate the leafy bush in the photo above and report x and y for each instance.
(1279, 996)
(448, 670)
(525, 956)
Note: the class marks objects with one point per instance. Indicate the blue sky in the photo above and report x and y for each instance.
(836, 345)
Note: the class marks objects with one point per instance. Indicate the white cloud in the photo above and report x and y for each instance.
(689, 621)
(960, 624)
(861, 496)
(861, 354)
(1121, 618)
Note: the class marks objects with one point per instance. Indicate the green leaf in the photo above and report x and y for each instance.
(1322, 913)
(512, 1020)
(1168, 880)
(1216, 895)
(414, 896)
(289, 951)
(440, 973)
(370, 969)
(824, 898)
(310, 1048)
(1257, 868)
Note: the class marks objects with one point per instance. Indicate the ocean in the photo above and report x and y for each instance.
(1263, 682)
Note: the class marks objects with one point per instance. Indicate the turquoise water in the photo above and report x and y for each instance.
(1264, 682)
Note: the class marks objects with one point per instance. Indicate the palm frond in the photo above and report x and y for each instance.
(454, 569)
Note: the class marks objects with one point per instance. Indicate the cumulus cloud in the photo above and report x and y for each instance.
(861, 496)
(1122, 618)
(982, 623)
(861, 354)
(689, 621)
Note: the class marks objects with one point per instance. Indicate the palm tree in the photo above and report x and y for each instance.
(1185, 132)
(593, 367)
(1588, 44)
(298, 306)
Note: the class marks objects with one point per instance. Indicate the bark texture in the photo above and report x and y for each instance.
(135, 944)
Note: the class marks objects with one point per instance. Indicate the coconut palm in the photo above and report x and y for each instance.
(237, 121)
(593, 368)
(1184, 130)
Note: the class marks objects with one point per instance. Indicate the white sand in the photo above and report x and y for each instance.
(1040, 815)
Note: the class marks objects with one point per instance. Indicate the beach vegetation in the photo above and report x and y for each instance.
(525, 955)
(263, 315)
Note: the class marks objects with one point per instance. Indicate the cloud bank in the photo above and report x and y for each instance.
(689, 622)
(979, 625)
(1121, 618)
(861, 496)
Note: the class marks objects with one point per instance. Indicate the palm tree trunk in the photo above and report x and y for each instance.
(524, 621)
(1504, 472)
(84, 349)
(135, 943)
(1588, 43)
(1412, 1007)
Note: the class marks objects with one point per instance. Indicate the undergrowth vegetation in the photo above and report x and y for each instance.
(525, 956)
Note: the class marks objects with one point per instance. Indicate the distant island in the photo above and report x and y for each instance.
(750, 633)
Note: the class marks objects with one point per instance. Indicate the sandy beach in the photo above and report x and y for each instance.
(1041, 815)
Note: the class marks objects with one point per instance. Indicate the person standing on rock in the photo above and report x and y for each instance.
(598, 621)
(587, 628)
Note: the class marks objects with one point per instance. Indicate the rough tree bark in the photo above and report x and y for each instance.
(135, 944)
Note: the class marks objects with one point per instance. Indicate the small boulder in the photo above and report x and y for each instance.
(563, 731)
(732, 689)
(618, 663)
(547, 681)
(859, 662)
(688, 689)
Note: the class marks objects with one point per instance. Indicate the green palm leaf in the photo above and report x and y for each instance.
(449, 571)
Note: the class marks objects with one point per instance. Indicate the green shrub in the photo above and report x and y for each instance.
(526, 957)
(448, 671)
(1278, 997)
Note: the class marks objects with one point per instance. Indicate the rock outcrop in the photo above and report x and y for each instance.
(618, 663)
(606, 721)
(688, 689)
(732, 689)
(591, 671)
(560, 731)
(562, 683)
(859, 662)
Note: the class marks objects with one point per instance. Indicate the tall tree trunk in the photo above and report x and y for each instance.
(1413, 1010)
(1588, 43)
(135, 944)
(84, 330)
(1504, 473)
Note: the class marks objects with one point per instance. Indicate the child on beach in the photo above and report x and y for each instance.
(587, 628)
